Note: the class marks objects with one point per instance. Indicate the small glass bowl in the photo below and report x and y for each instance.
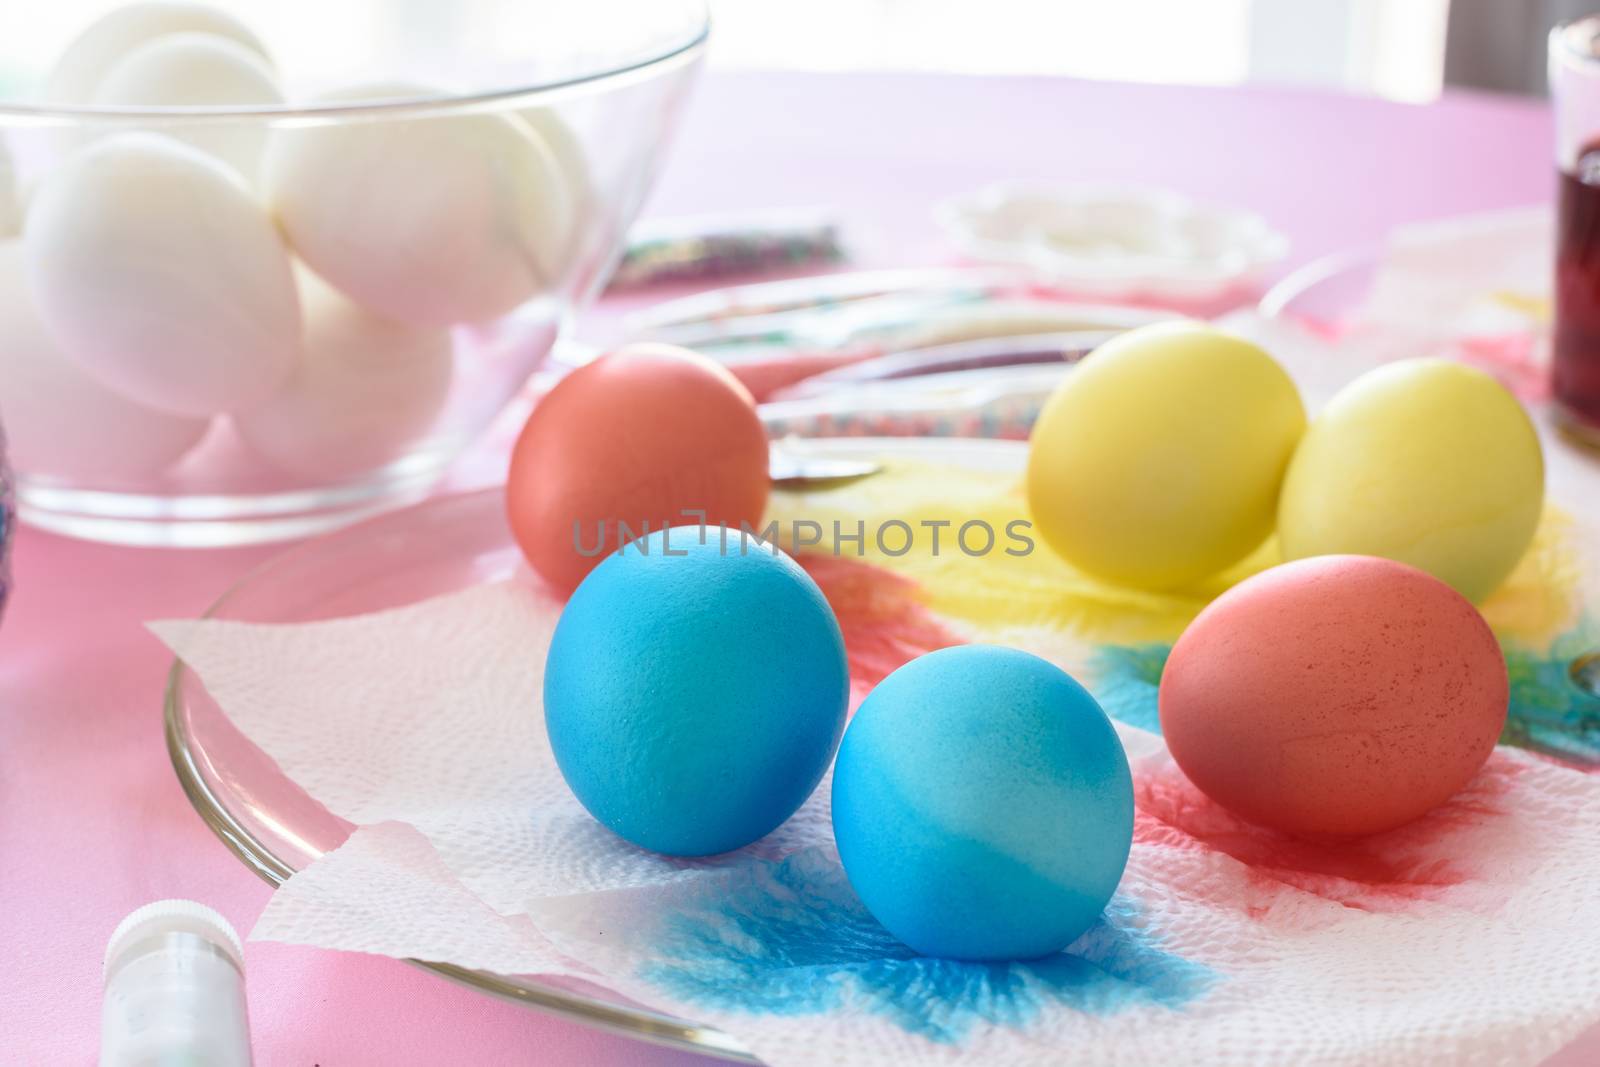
(244, 322)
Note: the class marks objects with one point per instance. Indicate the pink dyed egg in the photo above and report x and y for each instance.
(647, 434)
(1337, 695)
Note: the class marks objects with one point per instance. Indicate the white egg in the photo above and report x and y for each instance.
(159, 274)
(61, 423)
(93, 52)
(198, 69)
(366, 389)
(587, 245)
(564, 146)
(430, 221)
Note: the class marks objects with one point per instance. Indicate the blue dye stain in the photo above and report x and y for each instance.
(791, 938)
(1125, 680)
(1549, 712)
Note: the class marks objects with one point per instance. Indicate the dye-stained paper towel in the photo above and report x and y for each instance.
(1479, 274)
(1474, 288)
(1470, 937)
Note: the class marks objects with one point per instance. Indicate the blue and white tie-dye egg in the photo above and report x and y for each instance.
(982, 805)
(694, 693)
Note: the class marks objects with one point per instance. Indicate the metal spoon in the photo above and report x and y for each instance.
(791, 471)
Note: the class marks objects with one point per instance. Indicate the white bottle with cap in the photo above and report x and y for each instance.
(174, 990)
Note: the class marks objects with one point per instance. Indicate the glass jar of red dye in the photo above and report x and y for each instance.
(1575, 93)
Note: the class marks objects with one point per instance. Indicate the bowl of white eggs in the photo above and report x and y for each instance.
(268, 266)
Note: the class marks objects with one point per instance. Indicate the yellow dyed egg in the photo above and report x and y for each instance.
(1424, 461)
(1158, 461)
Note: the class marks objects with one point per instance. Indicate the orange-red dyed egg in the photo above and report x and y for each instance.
(647, 434)
(1334, 696)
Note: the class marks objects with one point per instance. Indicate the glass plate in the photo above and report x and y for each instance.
(1324, 291)
(433, 548)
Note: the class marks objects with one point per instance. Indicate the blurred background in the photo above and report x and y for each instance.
(1400, 49)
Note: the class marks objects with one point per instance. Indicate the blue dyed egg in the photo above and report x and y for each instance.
(982, 805)
(694, 694)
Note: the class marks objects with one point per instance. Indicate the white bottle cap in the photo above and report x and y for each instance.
(174, 990)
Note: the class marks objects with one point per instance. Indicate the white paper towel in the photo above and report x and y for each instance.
(1470, 937)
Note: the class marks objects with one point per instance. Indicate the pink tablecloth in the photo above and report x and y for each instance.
(92, 822)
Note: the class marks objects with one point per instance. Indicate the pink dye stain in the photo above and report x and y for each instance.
(884, 621)
(886, 625)
(1514, 359)
(1421, 861)
(1327, 329)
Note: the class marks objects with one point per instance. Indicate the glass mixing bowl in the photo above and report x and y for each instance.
(269, 266)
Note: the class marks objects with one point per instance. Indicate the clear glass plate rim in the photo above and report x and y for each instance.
(1282, 294)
